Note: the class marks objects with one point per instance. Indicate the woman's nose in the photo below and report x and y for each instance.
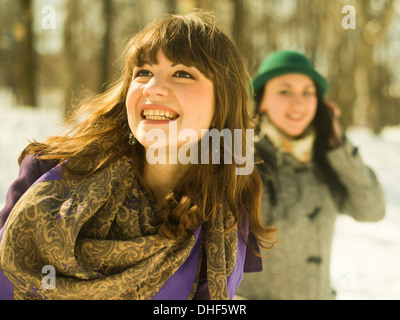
(298, 100)
(157, 86)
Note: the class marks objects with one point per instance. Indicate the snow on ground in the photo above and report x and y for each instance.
(17, 126)
(366, 256)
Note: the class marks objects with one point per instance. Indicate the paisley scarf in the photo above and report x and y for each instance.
(101, 236)
(300, 148)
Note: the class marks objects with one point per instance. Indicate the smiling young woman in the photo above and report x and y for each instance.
(181, 92)
(296, 96)
(115, 226)
(311, 173)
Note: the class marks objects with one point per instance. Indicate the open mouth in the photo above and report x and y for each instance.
(158, 114)
(295, 117)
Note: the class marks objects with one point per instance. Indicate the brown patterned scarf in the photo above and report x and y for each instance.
(101, 236)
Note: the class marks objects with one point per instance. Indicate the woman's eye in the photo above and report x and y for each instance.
(309, 93)
(285, 92)
(183, 74)
(143, 73)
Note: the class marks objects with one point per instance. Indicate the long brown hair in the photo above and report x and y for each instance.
(193, 40)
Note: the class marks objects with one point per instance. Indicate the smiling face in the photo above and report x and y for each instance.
(163, 93)
(290, 102)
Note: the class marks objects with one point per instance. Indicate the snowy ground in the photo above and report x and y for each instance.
(366, 256)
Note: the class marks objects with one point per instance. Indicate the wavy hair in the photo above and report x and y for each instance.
(193, 40)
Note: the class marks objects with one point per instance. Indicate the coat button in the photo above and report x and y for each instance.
(314, 213)
(314, 259)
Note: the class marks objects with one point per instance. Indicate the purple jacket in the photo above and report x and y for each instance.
(180, 283)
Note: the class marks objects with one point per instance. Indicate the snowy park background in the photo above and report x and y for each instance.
(366, 256)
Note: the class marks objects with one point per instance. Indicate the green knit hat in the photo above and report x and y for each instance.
(282, 62)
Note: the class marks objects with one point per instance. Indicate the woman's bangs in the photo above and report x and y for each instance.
(178, 47)
(146, 51)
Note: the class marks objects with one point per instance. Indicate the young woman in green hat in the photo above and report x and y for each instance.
(311, 172)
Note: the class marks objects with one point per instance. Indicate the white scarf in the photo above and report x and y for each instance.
(300, 148)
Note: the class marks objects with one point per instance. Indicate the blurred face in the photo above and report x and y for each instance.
(166, 93)
(290, 102)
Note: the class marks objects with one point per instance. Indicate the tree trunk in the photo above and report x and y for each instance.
(239, 34)
(24, 61)
(107, 49)
(71, 59)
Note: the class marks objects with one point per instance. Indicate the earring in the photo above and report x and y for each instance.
(131, 139)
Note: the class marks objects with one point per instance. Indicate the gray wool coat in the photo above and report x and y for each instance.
(303, 208)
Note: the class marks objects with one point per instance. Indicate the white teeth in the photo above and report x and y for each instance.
(157, 114)
(157, 118)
